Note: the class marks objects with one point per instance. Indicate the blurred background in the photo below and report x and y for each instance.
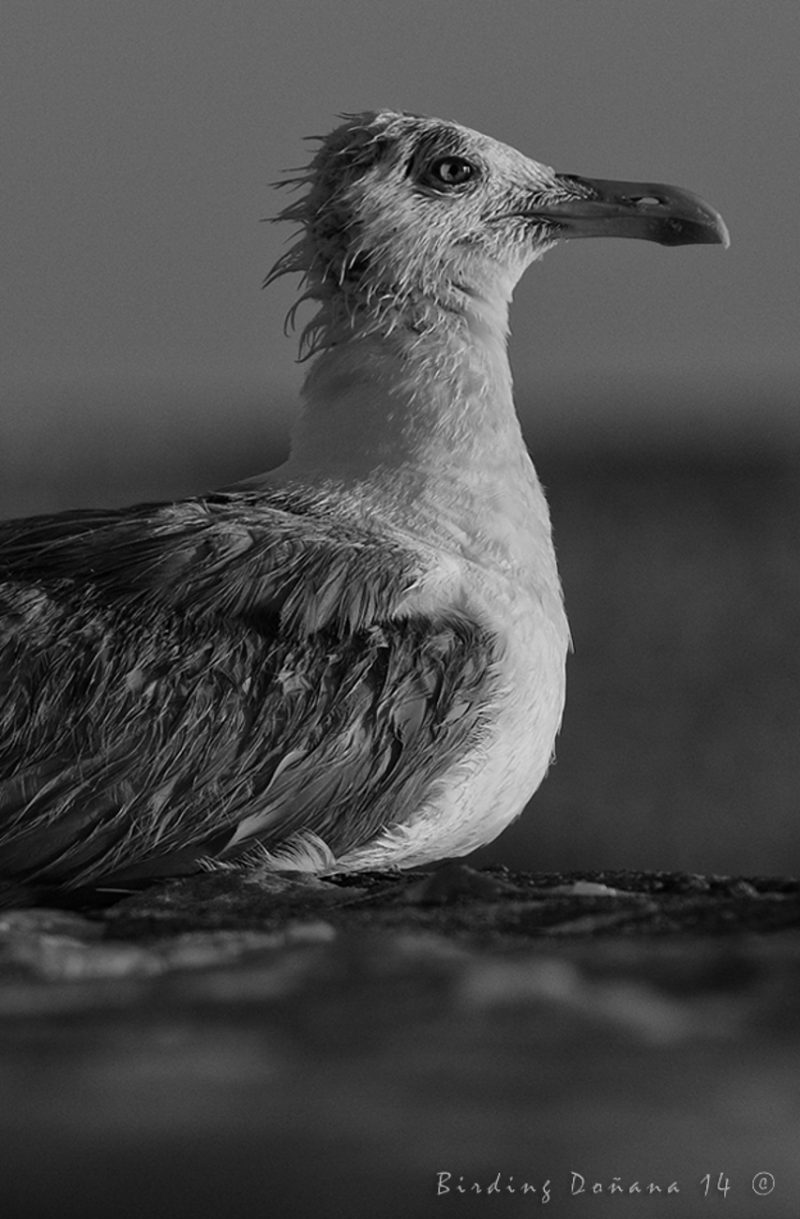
(658, 387)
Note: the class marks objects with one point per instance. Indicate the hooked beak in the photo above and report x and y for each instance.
(648, 210)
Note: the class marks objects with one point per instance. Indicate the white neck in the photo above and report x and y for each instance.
(421, 429)
(425, 402)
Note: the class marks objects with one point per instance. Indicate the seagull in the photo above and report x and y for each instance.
(355, 661)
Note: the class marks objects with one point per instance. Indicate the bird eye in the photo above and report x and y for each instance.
(452, 171)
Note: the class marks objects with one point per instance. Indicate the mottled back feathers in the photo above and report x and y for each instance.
(195, 682)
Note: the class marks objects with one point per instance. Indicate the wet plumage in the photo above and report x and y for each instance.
(356, 660)
(175, 672)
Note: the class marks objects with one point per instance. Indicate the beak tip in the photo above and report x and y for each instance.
(717, 232)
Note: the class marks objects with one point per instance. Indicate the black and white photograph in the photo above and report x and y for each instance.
(399, 610)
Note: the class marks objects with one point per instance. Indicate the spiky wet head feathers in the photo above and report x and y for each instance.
(402, 214)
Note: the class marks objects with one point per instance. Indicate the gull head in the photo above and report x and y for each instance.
(403, 217)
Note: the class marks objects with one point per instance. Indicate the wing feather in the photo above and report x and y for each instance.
(184, 682)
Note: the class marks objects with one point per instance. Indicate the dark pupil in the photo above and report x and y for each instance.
(453, 170)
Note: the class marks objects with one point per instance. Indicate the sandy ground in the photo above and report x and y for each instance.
(399, 1045)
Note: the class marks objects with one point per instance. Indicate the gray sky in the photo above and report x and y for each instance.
(141, 140)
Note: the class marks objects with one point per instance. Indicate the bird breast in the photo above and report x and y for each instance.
(497, 566)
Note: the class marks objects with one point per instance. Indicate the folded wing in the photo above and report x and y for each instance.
(184, 683)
